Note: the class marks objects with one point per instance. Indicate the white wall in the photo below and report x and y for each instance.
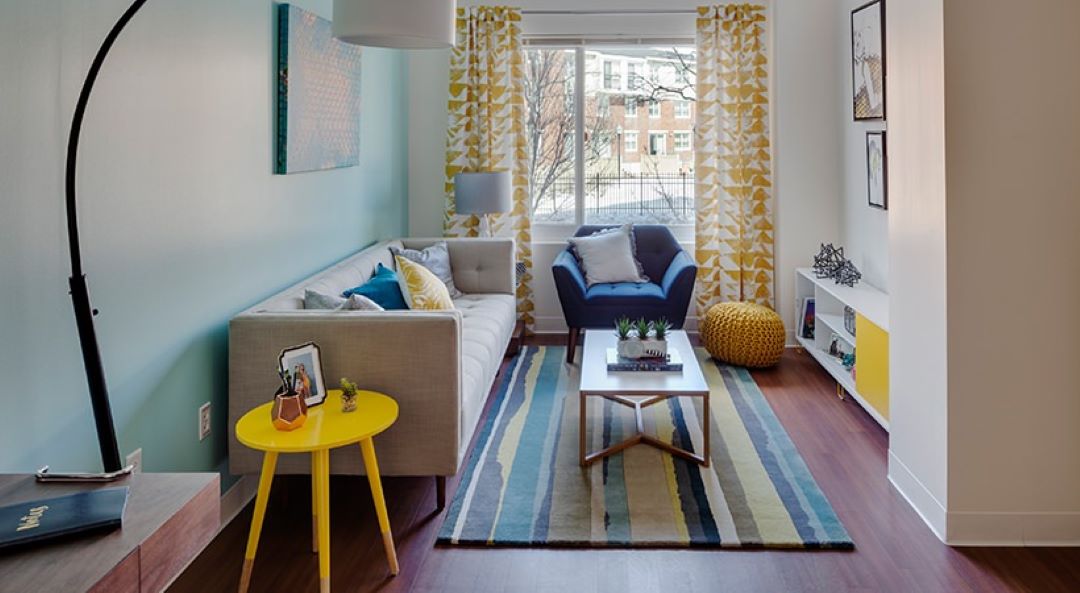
(864, 230)
(806, 132)
(918, 445)
(183, 222)
(1013, 150)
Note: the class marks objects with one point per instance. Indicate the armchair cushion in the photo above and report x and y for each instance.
(626, 293)
(608, 256)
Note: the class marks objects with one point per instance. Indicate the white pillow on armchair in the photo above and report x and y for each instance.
(608, 256)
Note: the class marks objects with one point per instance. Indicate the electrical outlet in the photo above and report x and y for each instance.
(204, 421)
(134, 459)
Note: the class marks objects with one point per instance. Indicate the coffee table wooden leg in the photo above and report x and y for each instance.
(314, 501)
(323, 513)
(705, 429)
(367, 447)
(581, 429)
(266, 478)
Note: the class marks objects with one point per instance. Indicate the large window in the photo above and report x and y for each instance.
(593, 163)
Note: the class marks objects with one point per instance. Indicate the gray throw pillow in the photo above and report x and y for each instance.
(609, 255)
(357, 302)
(436, 259)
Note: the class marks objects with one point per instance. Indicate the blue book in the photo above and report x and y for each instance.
(36, 521)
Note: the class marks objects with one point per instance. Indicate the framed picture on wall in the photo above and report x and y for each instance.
(868, 60)
(877, 170)
(805, 322)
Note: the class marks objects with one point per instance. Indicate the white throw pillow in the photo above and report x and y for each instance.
(357, 302)
(608, 256)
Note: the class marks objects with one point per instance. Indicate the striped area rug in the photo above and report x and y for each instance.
(523, 486)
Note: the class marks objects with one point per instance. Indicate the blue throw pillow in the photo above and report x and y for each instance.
(383, 288)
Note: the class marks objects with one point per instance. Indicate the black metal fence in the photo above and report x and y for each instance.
(659, 197)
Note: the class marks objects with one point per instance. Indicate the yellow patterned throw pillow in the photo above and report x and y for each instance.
(422, 289)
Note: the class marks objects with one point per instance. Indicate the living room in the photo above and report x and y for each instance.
(808, 205)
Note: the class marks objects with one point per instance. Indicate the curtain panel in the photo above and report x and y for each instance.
(486, 129)
(733, 164)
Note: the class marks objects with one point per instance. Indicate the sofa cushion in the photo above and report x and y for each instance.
(627, 293)
(317, 300)
(435, 258)
(487, 320)
(421, 288)
(383, 288)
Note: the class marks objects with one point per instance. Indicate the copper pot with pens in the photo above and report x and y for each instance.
(289, 411)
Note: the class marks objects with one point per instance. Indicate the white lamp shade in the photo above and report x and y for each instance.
(483, 193)
(401, 24)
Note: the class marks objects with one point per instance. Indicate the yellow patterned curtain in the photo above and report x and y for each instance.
(487, 128)
(734, 224)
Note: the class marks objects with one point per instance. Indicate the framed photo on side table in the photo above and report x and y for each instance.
(868, 60)
(877, 170)
(304, 363)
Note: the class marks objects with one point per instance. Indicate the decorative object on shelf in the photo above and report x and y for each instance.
(806, 319)
(828, 260)
(848, 274)
(348, 395)
(868, 60)
(877, 170)
(849, 320)
(417, 24)
(318, 95)
(646, 343)
(303, 364)
(743, 334)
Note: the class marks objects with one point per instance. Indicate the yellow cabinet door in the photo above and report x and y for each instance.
(872, 364)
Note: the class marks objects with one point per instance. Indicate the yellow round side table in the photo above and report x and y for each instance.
(327, 427)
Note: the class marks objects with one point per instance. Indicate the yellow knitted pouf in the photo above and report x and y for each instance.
(743, 334)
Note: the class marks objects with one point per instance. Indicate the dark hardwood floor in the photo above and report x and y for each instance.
(844, 448)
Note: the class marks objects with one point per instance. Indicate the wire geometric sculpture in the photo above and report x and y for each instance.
(828, 261)
(847, 274)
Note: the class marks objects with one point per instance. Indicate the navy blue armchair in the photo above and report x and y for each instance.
(671, 273)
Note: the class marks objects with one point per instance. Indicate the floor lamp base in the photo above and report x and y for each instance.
(43, 475)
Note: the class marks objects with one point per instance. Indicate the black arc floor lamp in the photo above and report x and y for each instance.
(80, 294)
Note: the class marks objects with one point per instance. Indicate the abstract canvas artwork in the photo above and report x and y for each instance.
(868, 60)
(318, 102)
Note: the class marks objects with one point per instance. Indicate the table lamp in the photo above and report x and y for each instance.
(483, 193)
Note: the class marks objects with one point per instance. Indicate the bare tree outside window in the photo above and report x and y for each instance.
(637, 166)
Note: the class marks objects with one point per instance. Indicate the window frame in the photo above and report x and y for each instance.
(662, 135)
(658, 110)
(627, 135)
(558, 231)
(682, 103)
(683, 134)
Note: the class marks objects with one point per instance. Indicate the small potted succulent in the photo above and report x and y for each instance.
(348, 395)
(641, 338)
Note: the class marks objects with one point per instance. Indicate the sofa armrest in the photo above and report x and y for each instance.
(568, 273)
(413, 356)
(480, 265)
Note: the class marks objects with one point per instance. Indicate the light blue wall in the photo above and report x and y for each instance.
(183, 222)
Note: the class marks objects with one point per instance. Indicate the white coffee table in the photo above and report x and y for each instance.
(639, 390)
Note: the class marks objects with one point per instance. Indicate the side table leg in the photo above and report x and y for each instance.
(266, 478)
(314, 501)
(367, 447)
(323, 513)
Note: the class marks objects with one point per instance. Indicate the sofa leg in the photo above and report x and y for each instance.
(571, 344)
(440, 493)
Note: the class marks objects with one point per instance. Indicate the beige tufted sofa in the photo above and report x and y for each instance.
(438, 365)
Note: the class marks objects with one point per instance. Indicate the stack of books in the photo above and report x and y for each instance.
(670, 363)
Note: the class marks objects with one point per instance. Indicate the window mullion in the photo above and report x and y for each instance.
(579, 136)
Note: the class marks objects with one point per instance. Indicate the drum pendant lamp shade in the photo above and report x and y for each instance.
(400, 24)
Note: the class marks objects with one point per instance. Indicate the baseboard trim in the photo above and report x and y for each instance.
(237, 497)
(928, 507)
(1013, 529)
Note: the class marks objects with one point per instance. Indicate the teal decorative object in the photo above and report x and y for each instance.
(318, 102)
